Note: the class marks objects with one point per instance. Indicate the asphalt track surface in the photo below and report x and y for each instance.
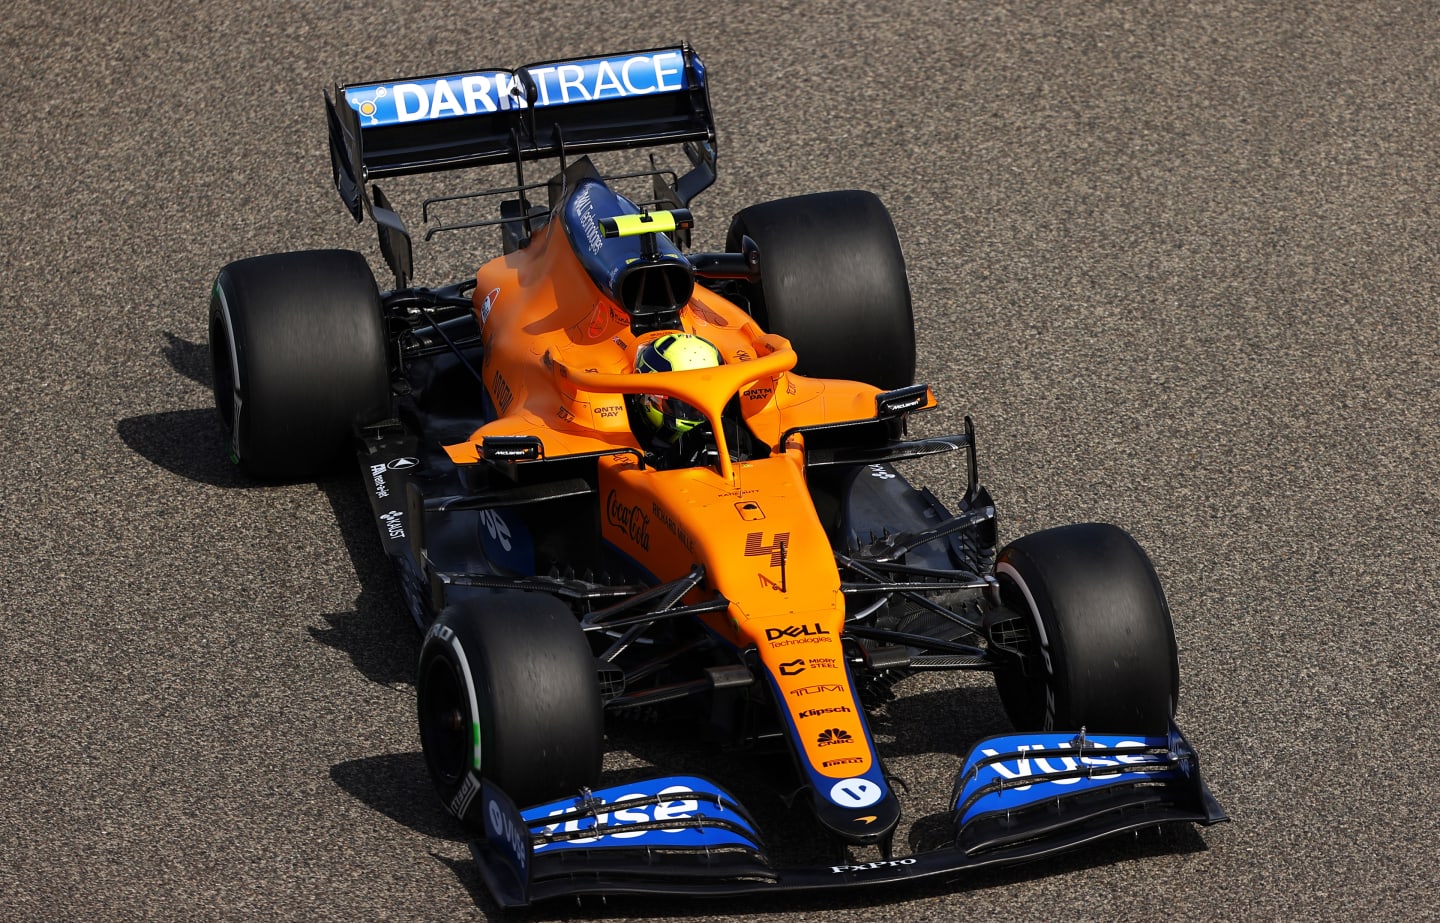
(1179, 263)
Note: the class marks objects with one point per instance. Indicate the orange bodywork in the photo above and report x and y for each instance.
(559, 355)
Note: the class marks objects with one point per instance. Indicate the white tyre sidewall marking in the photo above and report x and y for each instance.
(474, 704)
(446, 635)
(234, 369)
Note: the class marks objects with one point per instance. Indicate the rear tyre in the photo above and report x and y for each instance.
(297, 342)
(833, 283)
(508, 688)
(1100, 646)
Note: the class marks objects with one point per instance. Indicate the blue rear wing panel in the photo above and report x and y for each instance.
(488, 117)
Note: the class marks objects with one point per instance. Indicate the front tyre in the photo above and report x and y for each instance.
(298, 347)
(508, 688)
(1099, 649)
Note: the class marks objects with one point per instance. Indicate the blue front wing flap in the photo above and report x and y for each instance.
(1017, 798)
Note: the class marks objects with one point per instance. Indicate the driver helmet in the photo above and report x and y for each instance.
(669, 417)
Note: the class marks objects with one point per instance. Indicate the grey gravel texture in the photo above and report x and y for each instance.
(1179, 261)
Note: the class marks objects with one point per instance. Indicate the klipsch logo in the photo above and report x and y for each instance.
(816, 712)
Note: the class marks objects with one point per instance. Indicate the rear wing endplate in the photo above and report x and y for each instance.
(551, 109)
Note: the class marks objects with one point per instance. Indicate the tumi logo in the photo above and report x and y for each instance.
(816, 689)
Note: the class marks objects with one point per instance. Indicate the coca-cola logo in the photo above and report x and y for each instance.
(632, 521)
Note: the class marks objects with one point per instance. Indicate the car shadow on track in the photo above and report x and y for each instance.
(189, 359)
(397, 785)
(190, 443)
(378, 636)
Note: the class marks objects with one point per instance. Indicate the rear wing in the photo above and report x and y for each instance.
(551, 109)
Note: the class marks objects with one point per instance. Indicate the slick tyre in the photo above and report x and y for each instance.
(832, 281)
(297, 343)
(1100, 648)
(508, 688)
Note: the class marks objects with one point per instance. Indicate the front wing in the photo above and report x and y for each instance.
(1018, 798)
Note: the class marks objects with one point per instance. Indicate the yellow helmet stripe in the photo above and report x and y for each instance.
(662, 222)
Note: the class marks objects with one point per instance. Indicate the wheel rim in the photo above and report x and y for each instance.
(1024, 684)
(446, 727)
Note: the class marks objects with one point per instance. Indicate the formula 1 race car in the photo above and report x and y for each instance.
(612, 474)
